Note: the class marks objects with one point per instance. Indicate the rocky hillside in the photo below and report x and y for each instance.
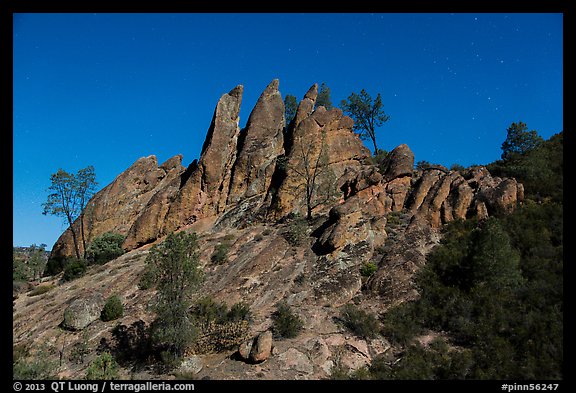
(247, 190)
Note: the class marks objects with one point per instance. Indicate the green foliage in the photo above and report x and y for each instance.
(296, 232)
(28, 263)
(519, 141)
(55, 265)
(105, 248)
(323, 98)
(220, 254)
(359, 322)
(418, 363)
(286, 324)
(149, 278)
(68, 198)
(80, 349)
(36, 367)
(207, 310)
(540, 169)
(379, 159)
(497, 289)
(113, 309)
(41, 289)
(104, 367)
(177, 273)
(366, 113)
(20, 270)
(402, 324)
(422, 164)
(457, 168)
(239, 312)
(368, 269)
(74, 269)
(290, 107)
(131, 343)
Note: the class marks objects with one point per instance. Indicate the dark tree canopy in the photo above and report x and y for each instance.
(290, 108)
(519, 141)
(69, 195)
(323, 98)
(367, 114)
(174, 265)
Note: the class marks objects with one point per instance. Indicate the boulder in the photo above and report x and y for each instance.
(82, 312)
(399, 162)
(262, 347)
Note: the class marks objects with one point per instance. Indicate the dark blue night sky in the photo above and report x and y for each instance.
(107, 89)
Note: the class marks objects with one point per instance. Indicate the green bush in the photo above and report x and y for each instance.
(56, 265)
(38, 367)
(239, 312)
(104, 367)
(105, 248)
(113, 309)
(359, 321)
(149, 278)
(207, 310)
(297, 231)
(220, 254)
(75, 268)
(368, 269)
(286, 323)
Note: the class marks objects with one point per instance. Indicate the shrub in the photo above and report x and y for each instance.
(220, 254)
(75, 268)
(176, 263)
(149, 278)
(104, 367)
(286, 323)
(359, 321)
(105, 248)
(56, 265)
(239, 312)
(40, 289)
(296, 233)
(34, 368)
(207, 310)
(113, 309)
(368, 269)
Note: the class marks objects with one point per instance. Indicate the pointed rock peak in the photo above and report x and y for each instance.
(145, 161)
(172, 162)
(237, 91)
(272, 87)
(312, 92)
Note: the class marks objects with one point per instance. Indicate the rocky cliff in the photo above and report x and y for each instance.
(238, 180)
(244, 191)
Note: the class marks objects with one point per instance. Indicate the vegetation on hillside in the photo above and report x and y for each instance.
(494, 287)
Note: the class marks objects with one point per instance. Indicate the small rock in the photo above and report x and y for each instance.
(191, 365)
(262, 347)
(245, 348)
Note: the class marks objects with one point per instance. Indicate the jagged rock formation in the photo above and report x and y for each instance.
(258, 174)
(119, 205)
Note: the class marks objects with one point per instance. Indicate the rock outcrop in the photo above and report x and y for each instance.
(268, 171)
(117, 206)
(258, 148)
